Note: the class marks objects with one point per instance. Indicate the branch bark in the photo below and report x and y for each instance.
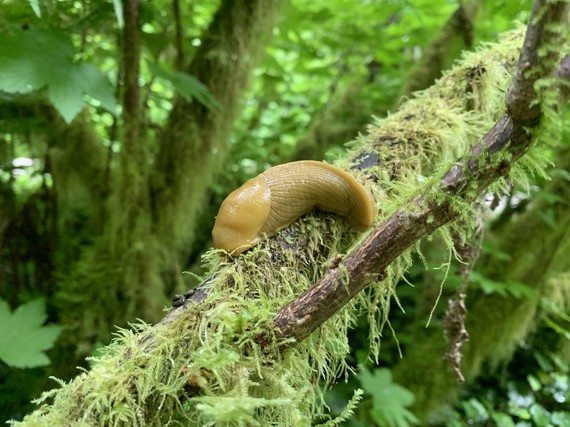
(464, 181)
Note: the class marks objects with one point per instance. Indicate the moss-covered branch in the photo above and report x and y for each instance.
(438, 204)
(497, 324)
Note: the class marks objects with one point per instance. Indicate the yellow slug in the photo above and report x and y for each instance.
(266, 204)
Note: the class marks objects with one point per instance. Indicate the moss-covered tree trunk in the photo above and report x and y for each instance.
(152, 205)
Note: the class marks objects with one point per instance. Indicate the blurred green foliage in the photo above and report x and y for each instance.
(535, 391)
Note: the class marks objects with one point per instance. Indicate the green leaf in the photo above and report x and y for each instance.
(518, 411)
(534, 383)
(547, 216)
(119, 13)
(23, 339)
(97, 86)
(561, 418)
(556, 327)
(34, 59)
(553, 309)
(475, 410)
(189, 87)
(28, 56)
(67, 88)
(487, 285)
(36, 7)
(561, 172)
(502, 420)
(495, 252)
(549, 197)
(389, 400)
(65, 91)
(540, 416)
(516, 289)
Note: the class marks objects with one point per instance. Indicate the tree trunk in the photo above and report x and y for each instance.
(195, 142)
(150, 216)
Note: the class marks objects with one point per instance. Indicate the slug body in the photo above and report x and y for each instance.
(266, 204)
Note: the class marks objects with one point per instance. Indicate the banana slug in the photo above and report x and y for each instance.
(266, 204)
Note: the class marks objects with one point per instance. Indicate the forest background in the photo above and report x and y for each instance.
(124, 125)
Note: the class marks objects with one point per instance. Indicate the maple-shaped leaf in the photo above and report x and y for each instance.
(389, 400)
(23, 339)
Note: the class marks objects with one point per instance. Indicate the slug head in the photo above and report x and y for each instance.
(241, 217)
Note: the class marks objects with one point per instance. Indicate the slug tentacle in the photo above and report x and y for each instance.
(274, 199)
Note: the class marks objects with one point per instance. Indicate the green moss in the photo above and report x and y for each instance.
(206, 366)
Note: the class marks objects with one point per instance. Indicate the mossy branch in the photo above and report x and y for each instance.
(437, 206)
(498, 324)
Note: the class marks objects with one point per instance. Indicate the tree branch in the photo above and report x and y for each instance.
(178, 34)
(464, 181)
(497, 324)
(131, 57)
